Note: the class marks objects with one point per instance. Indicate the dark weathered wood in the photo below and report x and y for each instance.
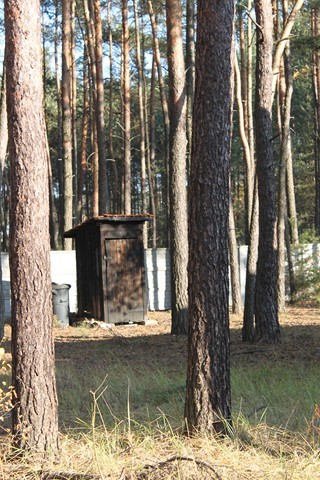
(110, 268)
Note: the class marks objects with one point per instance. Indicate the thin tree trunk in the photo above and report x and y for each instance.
(90, 36)
(178, 171)
(282, 41)
(249, 96)
(74, 104)
(3, 157)
(154, 209)
(116, 201)
(164, 105)
(315, 27)
(285, 152)
(59, 120)
(103, 181)
(190, 64)
(84, 139)
(67, 121)
(245, 144)
(127, 107)
(251, 272)
(142, 124)
(234, 264)
(266, 314)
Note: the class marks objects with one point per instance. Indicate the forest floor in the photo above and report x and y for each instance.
(132, 430)
(140, 344)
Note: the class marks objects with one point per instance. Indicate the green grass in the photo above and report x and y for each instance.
(279, 395)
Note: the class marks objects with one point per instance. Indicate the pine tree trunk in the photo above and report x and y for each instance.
(3, 157)
(74, 104)
(154, 209)
(208, 403)
(59, 119)
(142, 124)
(234, 264)
(127, 107)
(266, 313)
(190, 60)
(103, 180)
(34, 417)
(116, 201)
(178, 173)
(67, 121)
(165, 111)
(251, 272)
(84, 139)
(315, 26)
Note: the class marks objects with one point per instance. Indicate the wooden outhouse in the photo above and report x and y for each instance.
(110, 268)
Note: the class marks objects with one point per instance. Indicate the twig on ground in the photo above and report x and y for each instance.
(177, 458)
(69, 476)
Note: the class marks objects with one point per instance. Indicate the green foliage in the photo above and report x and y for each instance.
(307, 273)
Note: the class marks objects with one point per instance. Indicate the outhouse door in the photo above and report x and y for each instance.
(124, 270)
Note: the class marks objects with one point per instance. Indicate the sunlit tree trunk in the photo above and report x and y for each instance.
(154, 209)
(59, 118)
(90, 38)
(67, 121)
(251, 271)
(126, 106)
(114, 161)
(35, 413)
(164, 105)
(190, 61)
(142, 123)
(234, 264)
(3, 157)
(315, 25)
(266, 313)
(178, 172)
(208, 402)
(74, 103)
(84, 140)
(99, 108)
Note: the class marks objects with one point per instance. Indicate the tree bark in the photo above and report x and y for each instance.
(84, 139)
(164, 105)
(208, 405)
(142, 124)
(234, 264)
(251, 272)
(266, 313)
(127, 107)
(3, 157)
(154, 209)
(178, 173)
(34, 418)
(103, 180)
(59, 119)
(190, 61)
(116, 200)
(315, 27)
(66, 121)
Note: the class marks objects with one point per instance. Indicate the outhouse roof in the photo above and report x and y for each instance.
(108, 218)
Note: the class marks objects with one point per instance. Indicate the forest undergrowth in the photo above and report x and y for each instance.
(121, 401)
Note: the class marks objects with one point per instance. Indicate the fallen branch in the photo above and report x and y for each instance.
(178, 458)
(69, 476)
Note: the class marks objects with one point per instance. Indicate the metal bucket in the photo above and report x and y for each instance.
(60, 302)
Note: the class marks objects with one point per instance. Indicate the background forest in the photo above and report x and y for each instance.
(105, 78)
